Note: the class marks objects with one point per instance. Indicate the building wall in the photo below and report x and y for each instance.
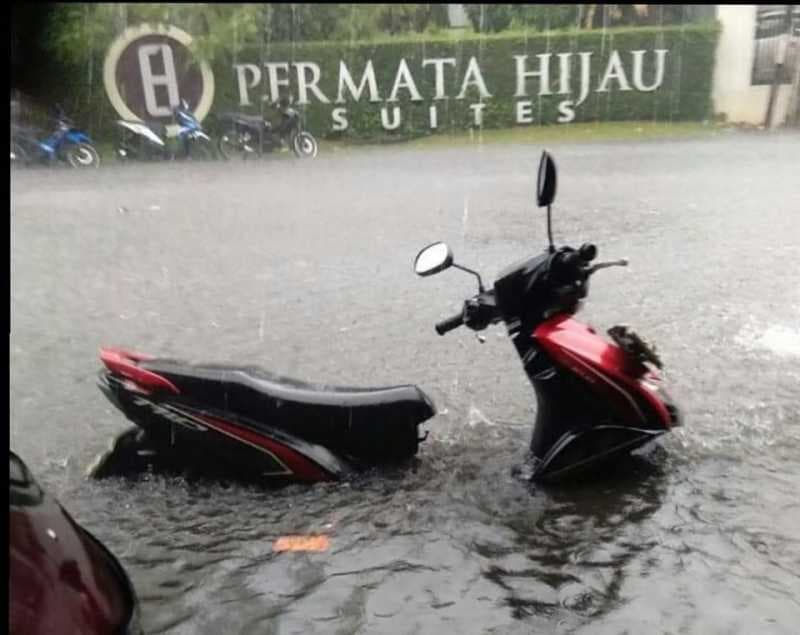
(732, 92)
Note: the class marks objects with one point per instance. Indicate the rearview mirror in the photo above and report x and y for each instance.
(546, 183)
(433, 259)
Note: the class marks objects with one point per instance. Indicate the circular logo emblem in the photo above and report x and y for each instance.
(149, 70)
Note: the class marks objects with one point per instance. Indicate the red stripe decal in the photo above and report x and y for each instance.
(300, 466)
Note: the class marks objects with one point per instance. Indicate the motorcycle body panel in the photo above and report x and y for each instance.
(61, 578)
(76, 136)
(595, 401)
(261, 424)
(141, 129)
(607, 369)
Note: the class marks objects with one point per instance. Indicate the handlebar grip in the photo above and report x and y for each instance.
(449, 324)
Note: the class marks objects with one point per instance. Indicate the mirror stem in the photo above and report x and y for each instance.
(550, 231)
(474, 273)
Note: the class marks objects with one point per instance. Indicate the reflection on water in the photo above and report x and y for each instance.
(451, 532)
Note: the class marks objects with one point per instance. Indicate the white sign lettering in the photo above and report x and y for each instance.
(438, 65)
(340, 122)
(276, 82)
(614, 70)
(570, 76)
(303, 85)
(244, 85)
(367, 79)
(405, 80)
(477, 111)
(638, 83)
(566, 112)
(543, 74)
(473, 77)
(524, 113)
(586, 58)
(150, 80)
(563, 65)
(397, 118)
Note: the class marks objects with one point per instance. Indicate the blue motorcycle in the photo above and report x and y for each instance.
(148, 140)
(195, 143)
(66, 143)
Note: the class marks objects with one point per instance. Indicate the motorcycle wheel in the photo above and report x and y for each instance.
(305, 145)
(122, 154)
(82, 155)
(201, 150)
(19, 157)
(228, 145)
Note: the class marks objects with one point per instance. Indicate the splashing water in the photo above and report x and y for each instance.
(778, 339)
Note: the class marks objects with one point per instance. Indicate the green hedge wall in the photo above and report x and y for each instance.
(685, 93)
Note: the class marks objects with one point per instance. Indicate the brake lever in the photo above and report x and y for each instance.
(622, 262)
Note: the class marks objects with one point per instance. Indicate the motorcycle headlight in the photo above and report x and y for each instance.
(653, 384)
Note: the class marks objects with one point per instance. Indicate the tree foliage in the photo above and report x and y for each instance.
(78, 31)
(493, 18)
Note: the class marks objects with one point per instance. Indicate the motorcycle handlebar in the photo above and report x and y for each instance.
(622, 262)
(570, 259)
(449, 324)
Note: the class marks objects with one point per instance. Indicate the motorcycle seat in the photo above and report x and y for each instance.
(254, 389)
(370, 423)
(156, 126)
(248, 120)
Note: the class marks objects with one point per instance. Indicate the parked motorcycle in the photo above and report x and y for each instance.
(245, 421)
(61, 578)
(146, 141)
(149, 140)
(66, 143)
(248, 134)
(598, 400)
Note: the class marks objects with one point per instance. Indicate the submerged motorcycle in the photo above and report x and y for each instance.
(149, 140)
(245, 421)
(598, 400)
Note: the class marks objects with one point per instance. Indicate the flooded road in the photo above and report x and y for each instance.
(305, 269)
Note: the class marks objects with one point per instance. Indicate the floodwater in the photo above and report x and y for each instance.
(306, 269)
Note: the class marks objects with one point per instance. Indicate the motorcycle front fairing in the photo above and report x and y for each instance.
(594, 400)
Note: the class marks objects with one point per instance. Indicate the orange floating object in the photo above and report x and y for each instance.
(301, 543)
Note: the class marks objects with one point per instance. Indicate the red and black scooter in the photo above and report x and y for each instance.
(597, 400)
(61, 578)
